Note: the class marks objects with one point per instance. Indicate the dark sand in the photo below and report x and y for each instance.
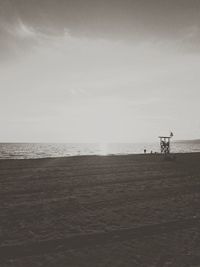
(135, 210)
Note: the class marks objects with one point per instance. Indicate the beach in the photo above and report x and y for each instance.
(125, 210)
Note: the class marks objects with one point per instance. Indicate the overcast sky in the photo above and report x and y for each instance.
(99, 71)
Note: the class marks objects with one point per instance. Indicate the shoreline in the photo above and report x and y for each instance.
(107, 155)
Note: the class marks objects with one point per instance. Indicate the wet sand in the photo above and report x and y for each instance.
(134, 210)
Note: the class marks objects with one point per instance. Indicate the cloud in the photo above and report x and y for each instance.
(15, 39)
(24, 31)
(24, 22)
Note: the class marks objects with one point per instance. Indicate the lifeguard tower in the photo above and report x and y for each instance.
(165, 143)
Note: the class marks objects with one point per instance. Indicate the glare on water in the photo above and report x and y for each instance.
(103, 147)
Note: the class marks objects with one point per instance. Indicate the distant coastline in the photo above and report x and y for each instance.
(187, 141)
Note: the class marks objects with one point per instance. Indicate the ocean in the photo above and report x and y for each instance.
(46, 150)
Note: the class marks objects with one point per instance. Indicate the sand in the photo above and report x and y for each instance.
(130, 210)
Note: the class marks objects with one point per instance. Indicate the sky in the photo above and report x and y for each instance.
(99, 71)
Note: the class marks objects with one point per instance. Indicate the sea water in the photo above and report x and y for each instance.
(45, 150)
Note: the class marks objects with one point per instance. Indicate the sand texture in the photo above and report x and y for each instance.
(134, 210)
